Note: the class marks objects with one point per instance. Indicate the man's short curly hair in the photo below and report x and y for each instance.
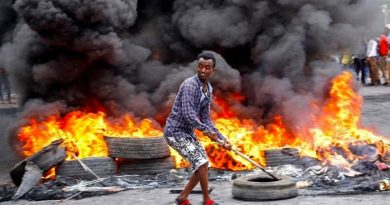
(207, 56)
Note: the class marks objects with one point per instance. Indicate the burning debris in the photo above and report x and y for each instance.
(150, 156)
(67, 188)
(101, 79)
(335, 137)
(384, 185)
(29, 172)
(363, 176)
(44, 160)
(89, 69)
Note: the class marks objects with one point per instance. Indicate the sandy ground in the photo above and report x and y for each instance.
(221, 195)
(376, 114)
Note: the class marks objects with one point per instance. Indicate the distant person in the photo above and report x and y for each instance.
(372, 54)
(383, 50)
(359, 61)
(4, 85)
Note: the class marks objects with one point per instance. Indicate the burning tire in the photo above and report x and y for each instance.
(146, 167)
(277, 157)
(102, 166)
(261, 187)
(137, 148)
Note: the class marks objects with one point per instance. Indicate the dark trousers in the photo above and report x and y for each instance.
(359, 68)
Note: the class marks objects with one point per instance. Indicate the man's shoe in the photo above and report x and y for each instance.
(184, 202)
(210, 202)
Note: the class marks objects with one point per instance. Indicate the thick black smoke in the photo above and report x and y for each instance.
(8, 18)
(132, 56)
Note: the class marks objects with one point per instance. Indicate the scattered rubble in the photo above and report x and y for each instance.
(384, 185)
(312, 176)
(29, 172)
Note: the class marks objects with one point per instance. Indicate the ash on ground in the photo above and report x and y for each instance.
(312, 180)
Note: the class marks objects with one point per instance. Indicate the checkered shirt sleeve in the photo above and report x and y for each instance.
(205, 118)
(188, 106)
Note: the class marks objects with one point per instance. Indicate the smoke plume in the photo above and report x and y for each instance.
(132, 55)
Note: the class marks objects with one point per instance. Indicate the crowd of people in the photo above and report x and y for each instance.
(372, 63)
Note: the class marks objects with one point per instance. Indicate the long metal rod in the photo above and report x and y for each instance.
(220, 142)
(86, 168)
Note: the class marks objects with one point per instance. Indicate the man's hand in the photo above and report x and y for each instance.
(226, 144)
(212, 135)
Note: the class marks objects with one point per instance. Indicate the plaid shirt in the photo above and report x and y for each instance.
(189, 111)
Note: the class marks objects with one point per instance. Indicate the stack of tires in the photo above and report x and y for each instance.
(277, 157)
(141, 156)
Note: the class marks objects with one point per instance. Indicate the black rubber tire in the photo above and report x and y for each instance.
(277, 157)
(244, 188)
(290, 151)
(277, 161)
(282, 152)
(137, 148)
(146, 167)
(101, 166)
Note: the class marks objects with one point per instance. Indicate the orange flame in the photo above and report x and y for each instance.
(83, 132)
(337, 125)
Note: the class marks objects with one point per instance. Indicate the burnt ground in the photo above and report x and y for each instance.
(376, 115)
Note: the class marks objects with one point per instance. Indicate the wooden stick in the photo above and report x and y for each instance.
(221, 142)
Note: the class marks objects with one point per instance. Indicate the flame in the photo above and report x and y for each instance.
(339, 124)
(335, 128)
(83, 133)
(329, 138)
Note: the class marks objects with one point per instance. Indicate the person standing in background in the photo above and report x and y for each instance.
(372, 54)
(359, 61)
(383, 51)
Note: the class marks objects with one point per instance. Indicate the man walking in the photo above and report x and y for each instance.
(190, 111)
